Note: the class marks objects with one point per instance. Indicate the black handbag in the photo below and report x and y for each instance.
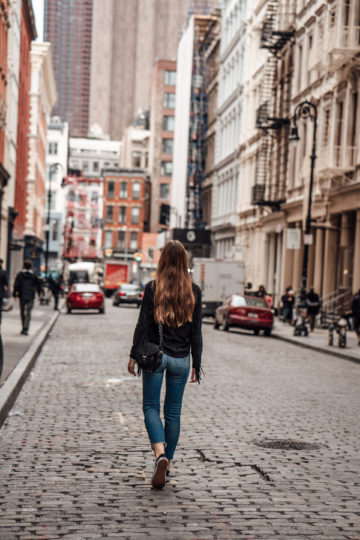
(150, 357)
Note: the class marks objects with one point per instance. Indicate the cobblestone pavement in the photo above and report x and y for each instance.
(75, 461)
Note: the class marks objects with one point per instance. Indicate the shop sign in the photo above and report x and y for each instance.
(293, 238)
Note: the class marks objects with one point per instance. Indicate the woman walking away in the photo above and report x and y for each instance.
(171, 308)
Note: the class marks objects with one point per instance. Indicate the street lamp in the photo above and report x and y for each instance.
(305, 110)
(47, 226)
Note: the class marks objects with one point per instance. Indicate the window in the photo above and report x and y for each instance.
(326, 127)
(85, 166)
(136, 159)
(166, 168)
(122, 214)
(55, 230)
(168, 123)
(123, 190)
(169, 100)
(109, 214)
(135, 214)
(133, 240)
(136, 190)
(167, 146)
(120, 242)
(108, 239)
(53, 148)
(111, 190)
(95, 166)
(164, 191)
(169, 78)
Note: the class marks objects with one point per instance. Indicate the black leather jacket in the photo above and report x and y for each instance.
(177, 342)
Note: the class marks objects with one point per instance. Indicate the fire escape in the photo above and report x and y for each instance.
(273, 114)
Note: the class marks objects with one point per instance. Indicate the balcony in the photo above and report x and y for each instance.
(340, 44)
(336, 161)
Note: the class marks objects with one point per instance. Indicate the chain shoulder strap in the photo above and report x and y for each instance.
(160, 327)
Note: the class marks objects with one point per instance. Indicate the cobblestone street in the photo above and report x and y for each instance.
(76, 463)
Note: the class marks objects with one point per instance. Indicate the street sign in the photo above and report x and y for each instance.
(308, 239)
(293, 238)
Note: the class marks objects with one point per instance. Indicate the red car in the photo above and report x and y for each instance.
(248, 312)
(85, 296)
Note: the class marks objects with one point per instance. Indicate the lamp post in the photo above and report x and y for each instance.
(47, 227)
(305, 110)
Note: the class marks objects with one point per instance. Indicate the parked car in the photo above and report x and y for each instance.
(85, 296)
(248, 312)
(128, 293)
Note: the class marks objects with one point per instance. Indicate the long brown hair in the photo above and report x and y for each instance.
(174, 299)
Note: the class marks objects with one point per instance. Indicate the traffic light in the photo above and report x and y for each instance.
(138, 257)
(108, 252)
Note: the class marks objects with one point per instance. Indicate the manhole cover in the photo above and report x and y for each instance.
(286, 444)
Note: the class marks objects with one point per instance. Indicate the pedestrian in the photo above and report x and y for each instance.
(288, 301)
(313, 306)
(3, 286)
(355, 310)
(25, 286)
(261, 292)
(172, 300)
(56, 289)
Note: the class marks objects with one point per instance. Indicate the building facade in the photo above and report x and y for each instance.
(83, 218)
(92, 154)
(123, 215)
(4, 173)
(121, 69)
(162, 142)
(230, 112)
(56, 172)
(67, 25)
(42, 99)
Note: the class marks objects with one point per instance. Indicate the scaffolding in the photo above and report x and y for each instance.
(204, 35)
(273, 114)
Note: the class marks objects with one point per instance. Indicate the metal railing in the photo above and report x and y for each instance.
(334, 304)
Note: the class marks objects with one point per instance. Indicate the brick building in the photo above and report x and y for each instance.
(4, 26)
(162, 140)
(124, 196)
(67, 26)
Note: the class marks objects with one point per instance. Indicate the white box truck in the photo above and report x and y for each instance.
(218, 279)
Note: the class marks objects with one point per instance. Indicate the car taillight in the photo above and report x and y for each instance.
(121, 293)
(99, 296)
(267, 315)
(142, 295)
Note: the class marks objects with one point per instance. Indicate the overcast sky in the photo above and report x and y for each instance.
(38, 6)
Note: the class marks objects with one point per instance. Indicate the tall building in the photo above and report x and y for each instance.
(42, 99)
(121, 68)
(4, 26)
(67, 25)
(162, 141)
(56, 164)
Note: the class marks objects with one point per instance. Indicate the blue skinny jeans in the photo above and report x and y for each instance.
(177, 373)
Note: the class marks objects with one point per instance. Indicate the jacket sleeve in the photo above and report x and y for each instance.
(142, 327)
(16, 286)
(196, 337)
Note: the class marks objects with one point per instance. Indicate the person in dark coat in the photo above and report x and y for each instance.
(261, 292)
(313, 306)
(26, 285)
(288, 301)
(355, 310)
(56, 289)
(3, 286)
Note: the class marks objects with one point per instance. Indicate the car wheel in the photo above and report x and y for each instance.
(68, 310)
(224, 326)
(216, 324)
(267, 332)
(102, 310)
(256, 331)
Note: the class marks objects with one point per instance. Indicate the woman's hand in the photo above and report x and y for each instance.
(193, 375)
(131, 367)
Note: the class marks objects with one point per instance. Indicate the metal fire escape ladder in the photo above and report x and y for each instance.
(272, 114)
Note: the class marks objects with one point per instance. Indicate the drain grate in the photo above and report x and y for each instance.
(286, 444)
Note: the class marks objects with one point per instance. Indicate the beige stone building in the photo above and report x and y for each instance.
(318, 61)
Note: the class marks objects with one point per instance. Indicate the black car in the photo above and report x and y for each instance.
(128, 293)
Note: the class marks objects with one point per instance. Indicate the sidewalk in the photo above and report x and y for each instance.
(15, 344)
(318, 341)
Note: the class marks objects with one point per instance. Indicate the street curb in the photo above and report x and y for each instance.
(318, 349)
(13, 384)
